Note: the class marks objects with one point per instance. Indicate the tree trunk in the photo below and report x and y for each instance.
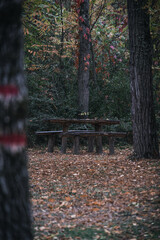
(15, 217)
(61, 81)
(93, 64)
(84, 58)
(144, 128)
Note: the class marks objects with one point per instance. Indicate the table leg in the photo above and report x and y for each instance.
(64, 140)
(76, 145)
(90, 144)
(51, 142)
(111, 145)
(99, 149)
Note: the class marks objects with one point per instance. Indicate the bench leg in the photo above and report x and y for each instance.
(51, 142)
(99, 149)
(64, 145)
(76, 145)
(111, 145)
(90, 144)
(64, 140)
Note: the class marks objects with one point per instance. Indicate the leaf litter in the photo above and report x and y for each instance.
(91, 196)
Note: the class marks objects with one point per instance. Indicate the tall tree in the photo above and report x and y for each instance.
(15, 219)
(143, 117)
(84, 56)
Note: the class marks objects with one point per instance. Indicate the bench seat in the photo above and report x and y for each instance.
(76, 134)
(85, 133)
(51, 137)
(91, 135)
(48, 132)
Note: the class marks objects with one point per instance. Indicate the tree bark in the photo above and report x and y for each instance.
(93, 64)
(15, 216)
(145, 141)
(84, 56)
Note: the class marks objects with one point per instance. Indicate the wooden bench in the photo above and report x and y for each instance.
(51, 138)
(91, 135)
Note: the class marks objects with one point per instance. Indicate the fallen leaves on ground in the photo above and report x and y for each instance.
(105, 192)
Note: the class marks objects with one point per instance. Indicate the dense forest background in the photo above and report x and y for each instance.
(51, 33)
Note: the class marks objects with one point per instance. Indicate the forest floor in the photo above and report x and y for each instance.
(91, 196)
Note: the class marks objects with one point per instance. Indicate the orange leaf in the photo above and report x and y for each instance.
(94, 209)
(51, 200)
(98, 203)
(67, 199)
(84, 196)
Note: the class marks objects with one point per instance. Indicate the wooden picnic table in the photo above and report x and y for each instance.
(97, 123)
(68, 121)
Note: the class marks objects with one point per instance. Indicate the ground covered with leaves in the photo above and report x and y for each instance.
(91, 196)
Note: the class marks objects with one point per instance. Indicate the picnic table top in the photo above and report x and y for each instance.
(80, 121)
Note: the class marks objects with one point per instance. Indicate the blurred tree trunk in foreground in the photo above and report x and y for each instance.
(15, 216)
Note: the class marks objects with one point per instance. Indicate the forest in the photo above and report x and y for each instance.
(93, 64)
(51, 32)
